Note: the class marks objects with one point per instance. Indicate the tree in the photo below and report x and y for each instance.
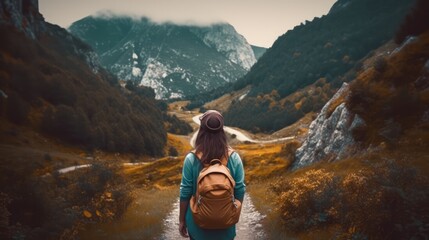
(416, 22)
(17, 109)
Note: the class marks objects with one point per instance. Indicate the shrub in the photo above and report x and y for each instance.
(59, 91)
(176, 126)
(289, 150)
(66, 123)
(307, 201)
(415, 22)
(17, 109)
(4, 216)
(173, 152)
(382, 201)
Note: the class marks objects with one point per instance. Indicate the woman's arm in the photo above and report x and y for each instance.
(182, 223)
(185, 194)
(240, 187)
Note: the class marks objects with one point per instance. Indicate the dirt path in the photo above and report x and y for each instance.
(248, 228)
(73, 168)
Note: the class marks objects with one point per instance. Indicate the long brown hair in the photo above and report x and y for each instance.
(211, 140)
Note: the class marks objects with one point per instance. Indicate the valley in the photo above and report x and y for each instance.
(154, 203)
(331, 123)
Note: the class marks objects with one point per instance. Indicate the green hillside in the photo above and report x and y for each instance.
(322, 50)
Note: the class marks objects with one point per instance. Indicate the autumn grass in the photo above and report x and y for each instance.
(163, 172)
(375, 194)
(391, 97)
(143, 218)
(362, 196)
(264, 201)
(263, 161)
(180, 143)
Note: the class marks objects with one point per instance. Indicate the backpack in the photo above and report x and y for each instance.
(214, 206)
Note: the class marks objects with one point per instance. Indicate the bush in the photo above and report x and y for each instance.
(173, 152)
(4, 216)
(289, 150)
(383, 201)
(58, 92)
(176, 126)
(415, 22)
(307, 201)
(17, 109)
(66, 123)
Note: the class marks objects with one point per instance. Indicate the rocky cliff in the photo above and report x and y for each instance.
(23, 15)
(330, 134)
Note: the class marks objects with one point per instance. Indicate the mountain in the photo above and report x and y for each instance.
(52, 83)
(361, 172)
(60, 108)
(176, 61)
(258, 51)
(306, 65)
(386, 102)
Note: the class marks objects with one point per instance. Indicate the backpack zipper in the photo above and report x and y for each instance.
(199, 200)
(233, 201)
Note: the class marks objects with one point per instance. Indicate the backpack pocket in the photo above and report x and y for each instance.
(215, 213)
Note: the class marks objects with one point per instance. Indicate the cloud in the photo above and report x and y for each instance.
(261, 22)
(177, 19)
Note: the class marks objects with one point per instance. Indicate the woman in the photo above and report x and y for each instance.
(210, 144)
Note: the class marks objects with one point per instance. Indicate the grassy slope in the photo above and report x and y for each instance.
(381, 192)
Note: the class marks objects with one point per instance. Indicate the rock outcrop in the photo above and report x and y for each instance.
(23, 15)
(330, 134)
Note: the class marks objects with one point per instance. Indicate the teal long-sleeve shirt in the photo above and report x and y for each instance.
(188, 187)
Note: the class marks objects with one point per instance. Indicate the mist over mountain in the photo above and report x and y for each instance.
(175, 60)
(324, 52)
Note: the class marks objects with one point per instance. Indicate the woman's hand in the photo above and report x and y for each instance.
(183, 230)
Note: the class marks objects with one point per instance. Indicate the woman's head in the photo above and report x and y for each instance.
(211, 139)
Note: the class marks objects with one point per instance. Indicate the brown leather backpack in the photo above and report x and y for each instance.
(214, 205)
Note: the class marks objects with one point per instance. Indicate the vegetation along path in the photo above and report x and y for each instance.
(249, 226)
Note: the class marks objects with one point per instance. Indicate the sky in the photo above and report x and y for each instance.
(261, 22)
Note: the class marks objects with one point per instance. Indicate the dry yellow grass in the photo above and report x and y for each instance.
(262, 161)
(143, 219)
(180, 143)
(369, 181)
(163, 172)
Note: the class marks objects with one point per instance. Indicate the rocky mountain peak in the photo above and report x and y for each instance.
(225, 39)
(175, 60)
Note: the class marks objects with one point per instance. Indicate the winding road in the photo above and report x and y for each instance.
(239, 135)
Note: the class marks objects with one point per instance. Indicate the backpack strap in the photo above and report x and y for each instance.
(214, 161)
